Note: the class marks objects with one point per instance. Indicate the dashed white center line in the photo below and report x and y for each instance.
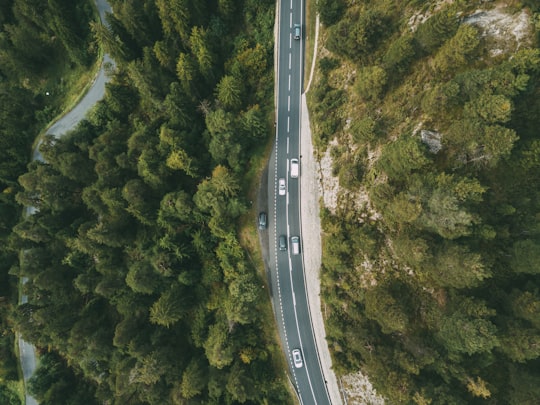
(289, 103)
(287, 145)
(289, 82)
(290, 22)
(288, 124)
(289, 61)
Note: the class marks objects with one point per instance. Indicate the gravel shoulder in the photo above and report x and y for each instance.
(311, 244)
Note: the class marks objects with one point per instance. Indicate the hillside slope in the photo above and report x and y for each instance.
(428, 115)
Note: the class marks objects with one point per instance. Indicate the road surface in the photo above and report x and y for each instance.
(287, 270)
(68, 122)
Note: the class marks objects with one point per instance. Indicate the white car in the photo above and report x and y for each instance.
(297, 358)
(295, 168)
(295, 244)
(282, 187)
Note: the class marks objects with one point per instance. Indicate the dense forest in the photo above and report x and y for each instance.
(42, 45)
(139, 289)
(431, 259)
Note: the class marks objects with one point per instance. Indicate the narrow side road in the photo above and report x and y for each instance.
(27, 353)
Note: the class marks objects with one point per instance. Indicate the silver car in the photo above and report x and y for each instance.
(297, 31)
(282, 187)
(297, 358)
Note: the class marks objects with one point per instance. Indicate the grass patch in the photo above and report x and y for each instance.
(66, 88)
(248, 232)
(311, 17)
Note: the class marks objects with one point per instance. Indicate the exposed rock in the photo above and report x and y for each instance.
(508, 31)
(360, 391)
(432, 139)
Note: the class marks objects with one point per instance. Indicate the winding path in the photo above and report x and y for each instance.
(69, 121)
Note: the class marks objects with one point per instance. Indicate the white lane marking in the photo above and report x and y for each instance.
(290, 20)
(289, 61)
(289, 82)
(287, 145)
(277, 253)
(288, 124)
(293, 297)
(289, 103)
(291, 5)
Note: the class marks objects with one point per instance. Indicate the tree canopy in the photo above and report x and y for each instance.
(139, 289)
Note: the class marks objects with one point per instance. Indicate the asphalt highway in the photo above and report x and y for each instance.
(287, 270)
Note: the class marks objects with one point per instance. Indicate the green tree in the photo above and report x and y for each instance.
(229, 92)
(194, 379)
(175, 209)
(523, 384)
(520, 343)
(199, 42)
(358, 33)
(382, 307)
(243, 296)
(167, 310)
(491, 108)
(370, 83)
(526, 256)
(526, 305)
(437, 29)
(217, 346)
(403, 209)
(467, 329)
(141, 278)
(148, 370)
(330, 11)
(364, 130)
(455, 266)
(498, 141)
(186, 71)
(240, 385)
(63, 19)
(175, 16)
(399, 54)
(453, 55)
(400, 158)
(253, 123)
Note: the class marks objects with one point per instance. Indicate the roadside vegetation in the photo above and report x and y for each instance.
(431, 257)
(140, 291)
(45, 53)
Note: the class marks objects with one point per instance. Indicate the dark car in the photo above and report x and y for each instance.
(282, 242)
(263, 220)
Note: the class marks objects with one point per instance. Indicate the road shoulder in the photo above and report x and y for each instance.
(311, 243)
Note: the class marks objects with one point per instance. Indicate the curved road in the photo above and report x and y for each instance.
(68, 122)
(287, 270)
